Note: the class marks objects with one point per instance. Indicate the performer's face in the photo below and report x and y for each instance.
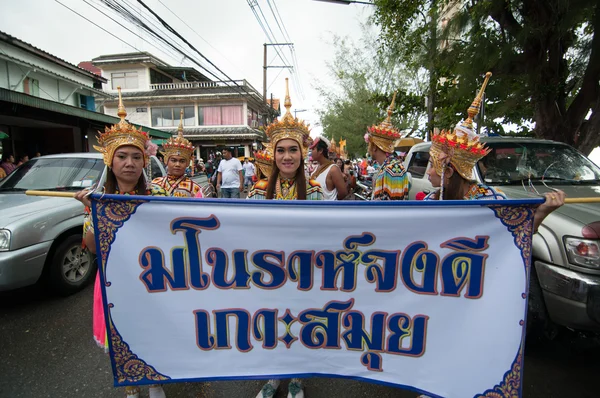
(176, 166)
(433, 177)
(127, 164)
(287, 157)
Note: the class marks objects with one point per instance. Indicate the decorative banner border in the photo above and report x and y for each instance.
(111, 212)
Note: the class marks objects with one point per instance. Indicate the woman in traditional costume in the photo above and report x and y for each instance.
(126, 152)
(453, 156)
(289, 139)
(390, 181)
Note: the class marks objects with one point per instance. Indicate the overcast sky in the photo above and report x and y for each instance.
(226, 31)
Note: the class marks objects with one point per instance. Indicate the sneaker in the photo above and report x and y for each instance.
(295, 389)
(132, 392)
(269, 389)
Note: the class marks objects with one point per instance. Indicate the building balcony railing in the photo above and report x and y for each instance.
(191, 85)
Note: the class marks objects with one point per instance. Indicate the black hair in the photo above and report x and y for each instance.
(322, 146)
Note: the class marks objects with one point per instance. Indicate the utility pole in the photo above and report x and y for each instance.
(433, 75)
(265, 66)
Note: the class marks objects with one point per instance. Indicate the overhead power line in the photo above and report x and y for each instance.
(131, 16)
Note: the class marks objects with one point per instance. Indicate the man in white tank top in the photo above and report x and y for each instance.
(327, 174)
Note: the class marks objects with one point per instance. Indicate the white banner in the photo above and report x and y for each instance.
(418, 295)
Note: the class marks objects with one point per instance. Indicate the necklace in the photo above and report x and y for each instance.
(173, 186)
(321, 169)
(285, 189)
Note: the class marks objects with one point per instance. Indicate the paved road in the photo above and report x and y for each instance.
(46, 350)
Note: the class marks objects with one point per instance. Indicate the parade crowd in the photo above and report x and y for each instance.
(283, 170)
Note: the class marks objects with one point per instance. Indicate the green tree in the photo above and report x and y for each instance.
(363, 82)
(545, 56)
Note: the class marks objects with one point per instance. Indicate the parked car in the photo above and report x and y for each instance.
(40, 237)
(565, 280)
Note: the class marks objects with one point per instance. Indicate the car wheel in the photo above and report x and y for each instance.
(539, 325)
(71, 267)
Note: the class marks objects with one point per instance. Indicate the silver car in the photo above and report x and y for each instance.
(40, 237)
(565, 281)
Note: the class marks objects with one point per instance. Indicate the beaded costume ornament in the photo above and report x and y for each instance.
(119, 135)
(461, 149)
(289, 127)
(384, 135)
(177, 145)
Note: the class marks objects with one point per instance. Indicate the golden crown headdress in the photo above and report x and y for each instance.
(119, 135)
(289, 127)
(177, 145)
(385, 134)
(461, 148)
(264, 161)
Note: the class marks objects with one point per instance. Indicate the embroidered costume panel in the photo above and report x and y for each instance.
(391, 181)
(179, 187)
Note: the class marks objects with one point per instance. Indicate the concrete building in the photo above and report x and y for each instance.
(47, 104)
(216, 113)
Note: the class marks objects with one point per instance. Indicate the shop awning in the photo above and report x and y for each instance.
(40, 103)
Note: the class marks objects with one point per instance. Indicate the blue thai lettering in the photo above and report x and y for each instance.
(304, 274)
(417, 258)
(356, 337)
(268, 332)
(217, 258)
(384, 276)
(276, 271)
(156, 276)
(321, 327)
(204, 338)
(403, 327)
(465, 267)
(191, 228)
(242, 330)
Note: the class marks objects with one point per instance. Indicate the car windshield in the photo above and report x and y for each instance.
(54, 174)
(513, 162)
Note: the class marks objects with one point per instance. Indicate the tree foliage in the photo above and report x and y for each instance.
(363, 80)
(545, 57)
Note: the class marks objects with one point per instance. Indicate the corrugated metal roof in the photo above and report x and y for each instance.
(92, 89)
(37, 51)
(52, 106)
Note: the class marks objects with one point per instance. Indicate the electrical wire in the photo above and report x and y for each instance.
(202, 38)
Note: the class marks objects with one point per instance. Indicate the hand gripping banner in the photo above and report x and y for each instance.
(426, 296)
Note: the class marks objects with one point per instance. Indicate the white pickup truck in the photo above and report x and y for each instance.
(565, 278)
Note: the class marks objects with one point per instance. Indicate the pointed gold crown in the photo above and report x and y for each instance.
(120, 134)
(289, 127)
(177, 145)
(264, 161)
(385, 134)
(461, 148)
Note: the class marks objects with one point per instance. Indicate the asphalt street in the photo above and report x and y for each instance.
(46, 350)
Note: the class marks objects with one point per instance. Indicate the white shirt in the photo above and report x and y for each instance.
(322, 180)
(248, 169)
(230, 173)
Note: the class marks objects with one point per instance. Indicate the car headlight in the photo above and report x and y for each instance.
(4, 240)
(584, 252)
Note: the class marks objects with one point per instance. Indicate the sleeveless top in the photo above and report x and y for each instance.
(322, 180)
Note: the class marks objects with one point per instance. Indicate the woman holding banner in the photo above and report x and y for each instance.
(126, 152)
(453, 156)
(290, 139)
